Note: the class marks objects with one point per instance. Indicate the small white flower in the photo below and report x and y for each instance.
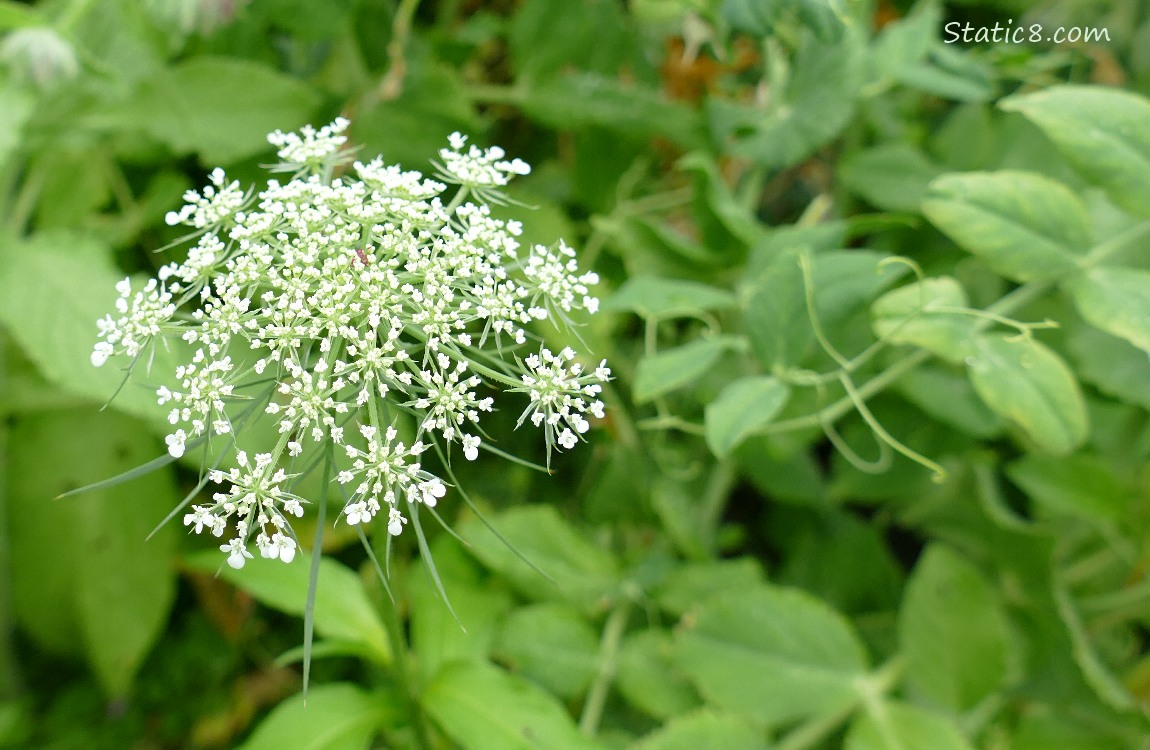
(322, 305)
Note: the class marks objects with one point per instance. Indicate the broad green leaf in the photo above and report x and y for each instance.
(342, 609)
(950, 74)
(704, 730)
(893, 176)
(691, 585)
(772, 654)
(85, 576)
(53, 289)
(901, 726)
(786, 474)
(220, 108)
(580, 571)
(814, 106)
(773, 296)
(1110, 364)
(674, 368)
(846, 562)
(656, 298)
(744, 407)
(1101, 131)
(436, 636)
(775, 309)
(339, 716)
(545, 37)
(903, 43)
(588, 99)
(950, 398)
(1117, 300)
(481, 707)
(553, 645)
(1025, 226)
(1030, 385)
(953, 632)
(1080, 485)
(845, 280)
(924, 314)
(648, 677)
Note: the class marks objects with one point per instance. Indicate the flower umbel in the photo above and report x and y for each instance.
(357, 311)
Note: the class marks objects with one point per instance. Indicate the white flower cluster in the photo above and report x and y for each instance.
(360, 306)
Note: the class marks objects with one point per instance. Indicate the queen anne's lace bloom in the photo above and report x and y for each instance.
(381, 320)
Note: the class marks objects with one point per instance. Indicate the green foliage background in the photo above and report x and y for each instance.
(874, 472)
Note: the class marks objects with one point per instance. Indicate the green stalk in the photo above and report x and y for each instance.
(608, 663)
(403, 679)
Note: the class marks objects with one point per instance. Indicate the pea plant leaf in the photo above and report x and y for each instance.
(773, 655)
(1116, 300)
(1030, 385)
(1101, 131)
(1025, 226)
(744, 407)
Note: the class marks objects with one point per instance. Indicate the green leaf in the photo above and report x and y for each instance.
(772, 654)
(580, 571)
(703, 730)
(953, 632)
(893, 176)
(817, 102)
(1025, 226)
(553, 645)
(655, 298)
(436, 636)
(950, 398)
(342, 608)
(1083, 486)
(1101, 131)
(900, 726)
(648, 677)
(1030, 385)
(690, 585)
(53, 289)
(481, 707)
(1110, 364)
(775, 308)
(917, 314)
(674, 368)
(220, 108)
(85, 573)
(744, 407)
(1117, 300)
(340, 716)
(545, 37)
(591, 100)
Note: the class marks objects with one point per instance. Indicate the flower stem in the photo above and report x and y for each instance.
(608, 662)
(399, 670)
